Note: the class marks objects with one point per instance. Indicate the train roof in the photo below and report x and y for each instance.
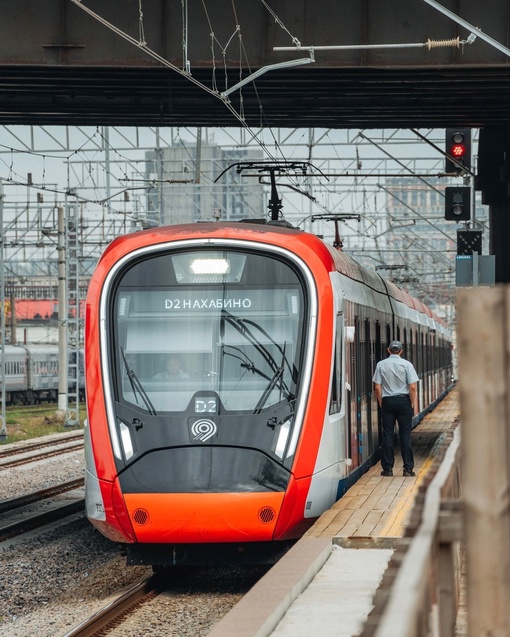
(347, 266)
(42, 348)
(341, 261)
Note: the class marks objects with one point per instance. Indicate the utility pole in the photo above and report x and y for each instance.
(73, 320)
(62, 317)
(3, 428)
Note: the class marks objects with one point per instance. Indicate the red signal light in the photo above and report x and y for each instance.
(458, 150)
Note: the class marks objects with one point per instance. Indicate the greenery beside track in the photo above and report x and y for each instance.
(25, 422)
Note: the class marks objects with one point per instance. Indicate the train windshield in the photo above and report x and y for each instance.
(208, 331)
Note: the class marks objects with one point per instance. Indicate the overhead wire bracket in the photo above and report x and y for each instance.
(429, 44)
(265, 69)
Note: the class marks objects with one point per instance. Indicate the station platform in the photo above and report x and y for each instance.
(326, 583)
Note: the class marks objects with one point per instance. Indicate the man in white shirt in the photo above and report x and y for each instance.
(395, 388)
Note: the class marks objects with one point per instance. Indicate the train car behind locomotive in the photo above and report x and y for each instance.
(32, 375)
(229, 395)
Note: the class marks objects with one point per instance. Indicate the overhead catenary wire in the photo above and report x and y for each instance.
(165, 62)
(186, 72)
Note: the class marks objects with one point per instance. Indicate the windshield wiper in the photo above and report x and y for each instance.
(241, 325)
(246, 362)
(137, 387)
(277, 376)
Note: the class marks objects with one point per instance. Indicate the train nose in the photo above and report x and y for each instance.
(204, 517)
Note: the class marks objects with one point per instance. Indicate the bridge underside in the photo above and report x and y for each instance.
(332, 98)
(164, 62)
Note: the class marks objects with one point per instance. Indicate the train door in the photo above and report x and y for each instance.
(379, 348)
(338, 412)
(412, 355)
(423, 358)
(434, 366)
(363, 393)
(349, 368)
(428, 343)
(356, 398)
(337, 383)
(367, 373)
(350, 385)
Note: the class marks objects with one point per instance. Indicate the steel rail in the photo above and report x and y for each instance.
(51, 510)
(116, 610)
(37, 496)
(35, 457)
(31, 446)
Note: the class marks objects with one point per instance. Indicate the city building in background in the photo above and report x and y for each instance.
(184, 187)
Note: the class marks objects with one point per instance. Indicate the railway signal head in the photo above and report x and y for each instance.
(457, 203)
(469, 242)
(458, 147)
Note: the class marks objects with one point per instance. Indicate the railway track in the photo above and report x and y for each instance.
(40, 450)
(117, 611)
(183, 601)
(31, 511)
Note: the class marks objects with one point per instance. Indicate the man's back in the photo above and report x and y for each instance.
(395, 374)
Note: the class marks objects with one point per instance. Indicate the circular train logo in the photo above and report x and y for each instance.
(203, 429)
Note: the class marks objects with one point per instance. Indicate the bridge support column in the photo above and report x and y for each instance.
(499, 240)
(493, 180)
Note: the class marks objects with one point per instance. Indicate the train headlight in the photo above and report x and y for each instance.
(283, 437)
(125, 436)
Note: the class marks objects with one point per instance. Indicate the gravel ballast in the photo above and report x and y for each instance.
(54, 579)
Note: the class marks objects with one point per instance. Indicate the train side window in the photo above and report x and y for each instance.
(336, 383)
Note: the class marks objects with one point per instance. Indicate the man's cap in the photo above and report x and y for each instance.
(395, 346)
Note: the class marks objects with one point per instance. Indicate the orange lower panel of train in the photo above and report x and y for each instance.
(203, 517)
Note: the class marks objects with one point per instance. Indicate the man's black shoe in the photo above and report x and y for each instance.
(409, 474)
(387, 473)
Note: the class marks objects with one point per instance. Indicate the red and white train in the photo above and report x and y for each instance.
(271, 416)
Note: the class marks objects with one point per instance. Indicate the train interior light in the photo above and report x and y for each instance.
(210, 266)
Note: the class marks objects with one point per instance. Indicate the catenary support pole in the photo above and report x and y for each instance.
(62, 317)
(3, 427)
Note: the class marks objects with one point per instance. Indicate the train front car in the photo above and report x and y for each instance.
(201, 345)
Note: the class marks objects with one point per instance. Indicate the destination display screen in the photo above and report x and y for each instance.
(192, 301)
